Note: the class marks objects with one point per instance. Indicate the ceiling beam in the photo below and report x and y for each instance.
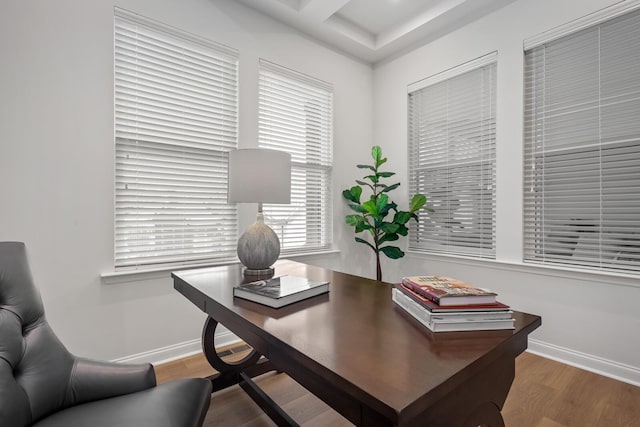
(354, 32)
(420, 20)
(321, 10)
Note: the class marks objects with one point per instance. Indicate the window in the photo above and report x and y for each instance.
(176, 118)
(452, 160)
(582, 147)
(296, 116)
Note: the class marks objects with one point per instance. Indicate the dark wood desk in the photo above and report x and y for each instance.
(359, 353)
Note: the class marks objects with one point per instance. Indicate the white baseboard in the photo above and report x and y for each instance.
(618, 371)
(177, 351)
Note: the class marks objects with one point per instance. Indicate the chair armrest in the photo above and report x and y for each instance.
(94, 380)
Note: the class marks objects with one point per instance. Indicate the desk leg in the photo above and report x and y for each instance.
(229, 373)
(240, 373)
(477, 401)
(267, 404)
(486, 415)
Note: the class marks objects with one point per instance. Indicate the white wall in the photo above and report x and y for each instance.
(57, 151)
(588, 319)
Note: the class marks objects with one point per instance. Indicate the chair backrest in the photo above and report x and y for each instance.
(35, 367)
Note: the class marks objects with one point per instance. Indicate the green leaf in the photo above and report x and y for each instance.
(353, 220)
(389, 227)
(347, 195)
(381, 162)
(366, 167)
(386, 174)
(392, 252)
(358, 208)
(401, 217)
(402, 230)
(360, 227)
(370, 207)
(387, 208)
(356, 191)
(366, 184)
(388, 238)
(376, 153)
(391, 187)
(382, 201)
(353, 194)
(359, 240)
(417, 202)
(373, 178)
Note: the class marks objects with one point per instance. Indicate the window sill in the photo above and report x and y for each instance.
(164, 272)
(306, 254)
(123, 276)
(607, 278)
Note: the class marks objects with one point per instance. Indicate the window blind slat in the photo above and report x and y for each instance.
(176, 118)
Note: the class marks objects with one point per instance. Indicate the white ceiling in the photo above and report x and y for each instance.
(375, 30)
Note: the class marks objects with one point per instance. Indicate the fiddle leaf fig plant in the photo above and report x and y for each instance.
(378, 215)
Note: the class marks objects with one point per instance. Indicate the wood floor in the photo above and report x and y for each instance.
(545, 393)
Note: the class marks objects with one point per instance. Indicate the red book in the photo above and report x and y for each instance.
(446, 291)
(435, 308)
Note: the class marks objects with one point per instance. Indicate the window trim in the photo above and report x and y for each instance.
(582, 23)
(452, 72)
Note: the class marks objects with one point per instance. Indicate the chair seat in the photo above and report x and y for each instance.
(174, 404)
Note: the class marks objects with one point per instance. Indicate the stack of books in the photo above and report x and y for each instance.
(444, 304)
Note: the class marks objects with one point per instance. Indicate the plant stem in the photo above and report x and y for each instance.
(376, 230)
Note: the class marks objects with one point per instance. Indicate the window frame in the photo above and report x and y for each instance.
(481, 240)
(584, 240)
(176, 133)
(295, 114)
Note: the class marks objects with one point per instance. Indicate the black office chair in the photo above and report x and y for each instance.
(42, 384)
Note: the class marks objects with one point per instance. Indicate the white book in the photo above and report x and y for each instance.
(280, 291)
(436, 323)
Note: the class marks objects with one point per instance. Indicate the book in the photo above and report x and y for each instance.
(434, 324)
(435, 308)
(476, 313)
(446, 291)
(280, 291)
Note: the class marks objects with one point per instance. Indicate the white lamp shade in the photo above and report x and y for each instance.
(259, 175)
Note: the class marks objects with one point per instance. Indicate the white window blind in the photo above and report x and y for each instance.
(176, 118)
(582, 148)
(296, 116)
(452, 126)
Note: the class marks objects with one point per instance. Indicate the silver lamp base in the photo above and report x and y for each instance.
(262, 272)
(258, 248)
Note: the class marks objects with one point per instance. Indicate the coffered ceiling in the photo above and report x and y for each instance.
(374, 30)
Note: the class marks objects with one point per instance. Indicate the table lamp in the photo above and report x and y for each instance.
(259, 175)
